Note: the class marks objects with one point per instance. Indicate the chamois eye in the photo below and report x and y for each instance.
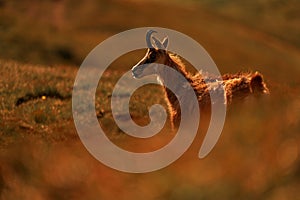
(153, 56)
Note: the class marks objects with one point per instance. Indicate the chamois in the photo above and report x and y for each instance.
(237, 86)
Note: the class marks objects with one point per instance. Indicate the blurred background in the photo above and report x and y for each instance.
(42, 44)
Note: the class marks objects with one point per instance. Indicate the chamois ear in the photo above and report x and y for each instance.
(158, 43)
(165, 42)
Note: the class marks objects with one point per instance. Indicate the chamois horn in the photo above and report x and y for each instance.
(148, 38)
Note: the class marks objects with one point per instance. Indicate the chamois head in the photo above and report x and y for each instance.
(156, 54)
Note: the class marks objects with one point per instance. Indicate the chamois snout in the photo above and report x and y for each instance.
(137, 71)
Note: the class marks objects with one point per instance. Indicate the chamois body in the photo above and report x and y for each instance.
(237, 86)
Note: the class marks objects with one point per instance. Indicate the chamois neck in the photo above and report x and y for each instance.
(175, 62)
(174, 78)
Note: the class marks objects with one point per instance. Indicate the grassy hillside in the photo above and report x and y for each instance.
(43, 43)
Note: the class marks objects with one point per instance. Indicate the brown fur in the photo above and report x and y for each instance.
(237, 86)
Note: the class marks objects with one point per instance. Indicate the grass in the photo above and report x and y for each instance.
(41, 47)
